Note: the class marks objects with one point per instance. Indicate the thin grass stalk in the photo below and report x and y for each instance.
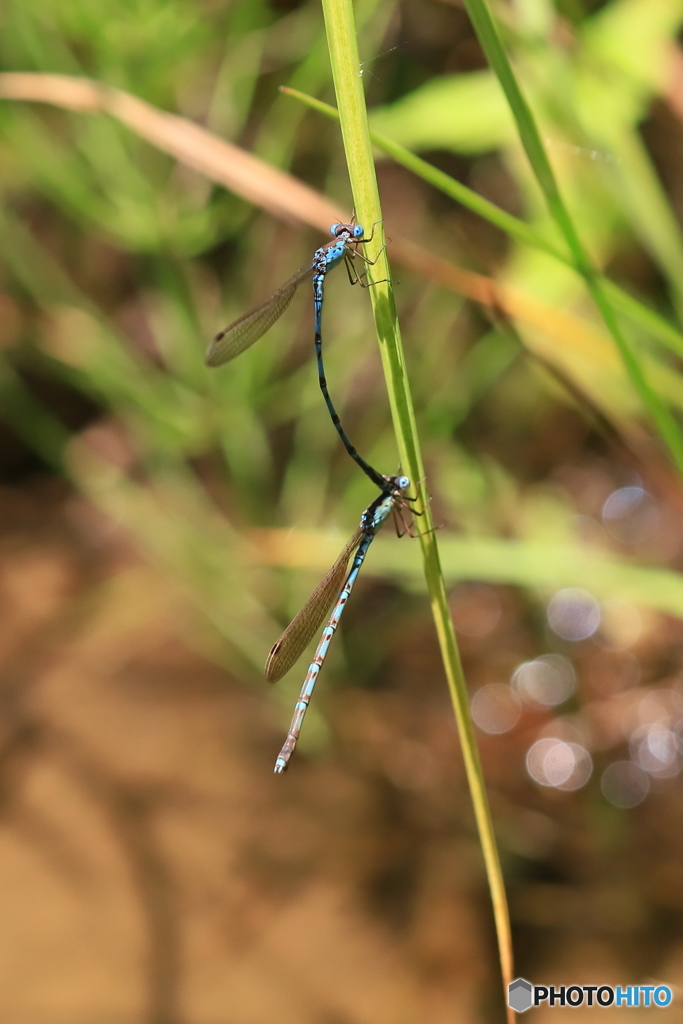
(530, 138)
(341, 36)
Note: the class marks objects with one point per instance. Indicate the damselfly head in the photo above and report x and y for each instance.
(355, 230)
(396, 484)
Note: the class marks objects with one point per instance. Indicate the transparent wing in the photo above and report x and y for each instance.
(308, 621)
(252, 325)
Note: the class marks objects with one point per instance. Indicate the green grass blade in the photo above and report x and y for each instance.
(530, 137)
(339, 23)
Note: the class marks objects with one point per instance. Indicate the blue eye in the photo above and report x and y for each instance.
(403, 482)
(357, 231)
(335, 229)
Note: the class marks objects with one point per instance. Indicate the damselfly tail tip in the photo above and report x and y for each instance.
(282, 760)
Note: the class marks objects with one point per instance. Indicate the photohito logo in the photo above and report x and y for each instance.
(522, 995)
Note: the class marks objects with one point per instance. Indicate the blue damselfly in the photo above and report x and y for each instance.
(302, 628)
(248, 328)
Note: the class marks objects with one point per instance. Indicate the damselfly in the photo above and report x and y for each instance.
(302, 628)
(248, 328)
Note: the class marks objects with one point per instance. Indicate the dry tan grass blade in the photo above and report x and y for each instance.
(572, 344)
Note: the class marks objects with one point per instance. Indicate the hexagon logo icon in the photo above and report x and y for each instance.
(519, 995)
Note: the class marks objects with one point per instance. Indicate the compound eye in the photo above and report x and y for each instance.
(357, 231)
(403, 482)
(335, 229)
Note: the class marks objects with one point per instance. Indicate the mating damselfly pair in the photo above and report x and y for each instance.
(336, 587)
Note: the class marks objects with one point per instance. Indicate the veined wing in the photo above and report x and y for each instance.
(303, 627)
(248, 328)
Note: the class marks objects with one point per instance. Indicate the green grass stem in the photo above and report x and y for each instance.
(341, 35)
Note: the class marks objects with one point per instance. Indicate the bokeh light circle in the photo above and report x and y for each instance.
(655, 748)
(623, 502)
(496, 708)
(545, 681)
(631, 515)
(554, 763)
(573, 614)
(625, 784)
